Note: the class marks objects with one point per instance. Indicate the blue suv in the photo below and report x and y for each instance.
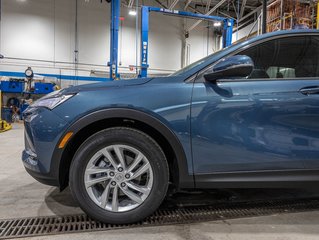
(244, 117)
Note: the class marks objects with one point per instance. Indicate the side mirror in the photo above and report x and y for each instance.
(237, 66)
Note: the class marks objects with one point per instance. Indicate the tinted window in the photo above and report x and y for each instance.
(281, 72)
(291, 57)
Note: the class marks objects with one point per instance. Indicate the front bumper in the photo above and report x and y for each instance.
(43, 130)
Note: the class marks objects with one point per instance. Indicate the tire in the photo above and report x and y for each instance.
(101, 201)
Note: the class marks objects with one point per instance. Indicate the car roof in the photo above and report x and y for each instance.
(283, 33)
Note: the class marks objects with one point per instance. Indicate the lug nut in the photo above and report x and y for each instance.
(127, 175)
(120, 169)
(112, 174)
(113, 183)
(123, 184)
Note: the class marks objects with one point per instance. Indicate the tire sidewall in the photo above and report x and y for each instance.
(135, 139)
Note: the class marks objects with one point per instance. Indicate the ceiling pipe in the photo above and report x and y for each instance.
(174, 3)
(187, 4)
(242, 9)
(207, 14)
(251, 13)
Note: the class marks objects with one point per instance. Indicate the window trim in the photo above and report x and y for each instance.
(267, 79)
(196, 80)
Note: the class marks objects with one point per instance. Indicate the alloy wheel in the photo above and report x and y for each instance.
(118, 178)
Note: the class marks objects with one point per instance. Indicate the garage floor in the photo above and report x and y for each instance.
(22, 196)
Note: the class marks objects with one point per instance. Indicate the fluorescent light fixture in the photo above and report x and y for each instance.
(132, 12)
(217, 24)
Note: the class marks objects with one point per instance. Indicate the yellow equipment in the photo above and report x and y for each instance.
(4, 126)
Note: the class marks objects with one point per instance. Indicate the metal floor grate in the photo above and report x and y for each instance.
(40, 226)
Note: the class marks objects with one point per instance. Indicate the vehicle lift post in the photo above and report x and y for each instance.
(145, 11)
(114, 41)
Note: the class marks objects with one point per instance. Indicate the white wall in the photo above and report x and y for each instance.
(26, 31)
(45, 30)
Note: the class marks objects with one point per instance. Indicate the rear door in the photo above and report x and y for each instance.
(269, 121)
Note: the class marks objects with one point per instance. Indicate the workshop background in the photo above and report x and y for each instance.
(54, 35)
(47, 45)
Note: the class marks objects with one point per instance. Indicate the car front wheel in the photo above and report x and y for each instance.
(119, 175)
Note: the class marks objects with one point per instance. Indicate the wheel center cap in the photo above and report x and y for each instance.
(119, 177)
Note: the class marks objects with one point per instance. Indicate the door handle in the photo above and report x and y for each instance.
(310, 90)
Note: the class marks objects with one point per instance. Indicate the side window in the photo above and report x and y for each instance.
(291, 57)
(281, 72)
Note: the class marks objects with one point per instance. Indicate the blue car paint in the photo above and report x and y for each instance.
(231, 130)
(43, 130)
(260, 125)
(170, 103)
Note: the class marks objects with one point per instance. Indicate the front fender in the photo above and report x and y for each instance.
(186, 180)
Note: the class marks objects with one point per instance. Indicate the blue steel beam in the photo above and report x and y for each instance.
(114, 42)
(227, 32)
(185, 14)
(227, 29)
(144, 40)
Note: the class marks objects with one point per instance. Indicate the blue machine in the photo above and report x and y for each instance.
(43, 88)
(227, 29)
(18, 87)
(12, 86)
(6, 114)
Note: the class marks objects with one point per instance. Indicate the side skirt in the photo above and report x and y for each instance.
(259, 179)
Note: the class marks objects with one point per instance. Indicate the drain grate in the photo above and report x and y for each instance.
(39, 226)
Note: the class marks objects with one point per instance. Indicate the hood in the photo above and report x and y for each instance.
(110, 84)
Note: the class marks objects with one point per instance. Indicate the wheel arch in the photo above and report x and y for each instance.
(113, 117)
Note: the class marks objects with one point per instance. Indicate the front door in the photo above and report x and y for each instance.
(269, 121)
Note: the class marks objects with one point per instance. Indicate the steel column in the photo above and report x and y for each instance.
(228, 32)
(264, 20)
(115, 24)
(144, 40)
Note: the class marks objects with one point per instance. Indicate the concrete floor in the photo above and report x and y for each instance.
(22, 196)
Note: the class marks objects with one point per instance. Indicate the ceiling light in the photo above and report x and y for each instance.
(217, 24)
(132, 12)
